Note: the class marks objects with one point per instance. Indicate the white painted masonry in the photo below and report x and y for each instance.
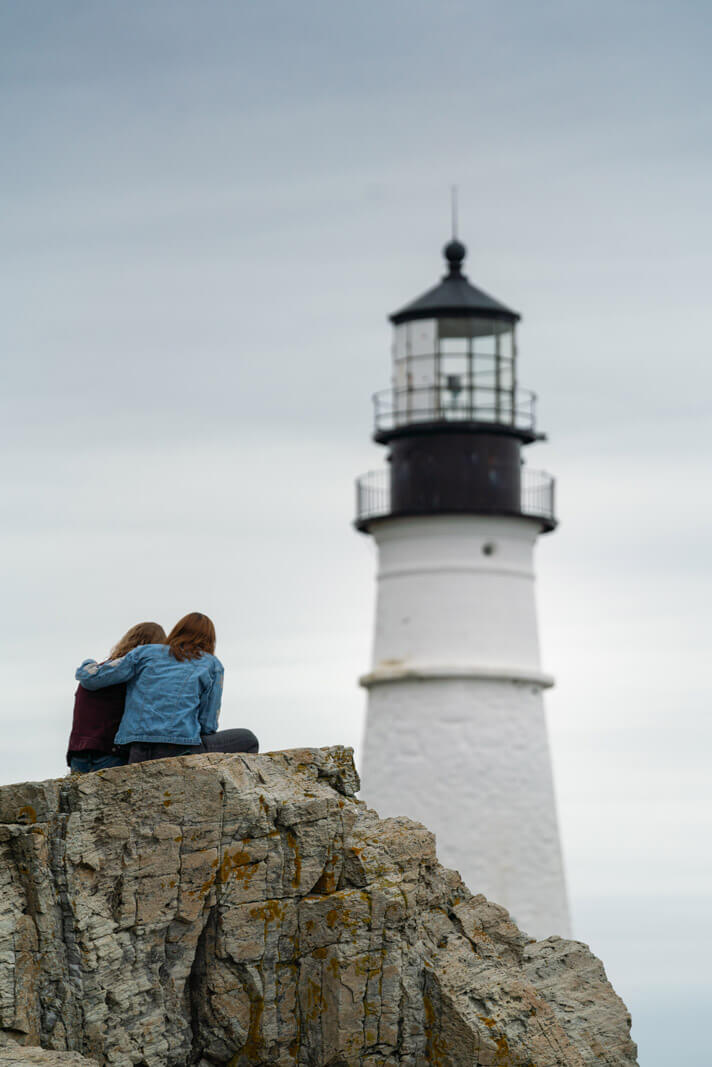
(456, 732)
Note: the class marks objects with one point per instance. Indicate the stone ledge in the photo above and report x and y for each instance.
(248, 910)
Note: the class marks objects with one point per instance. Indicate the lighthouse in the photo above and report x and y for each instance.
(456, 732)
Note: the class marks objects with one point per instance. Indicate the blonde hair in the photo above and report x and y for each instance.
(143, 633)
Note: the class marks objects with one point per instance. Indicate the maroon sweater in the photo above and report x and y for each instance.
(97, 714)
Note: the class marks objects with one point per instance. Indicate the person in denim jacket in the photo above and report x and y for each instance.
(173, 695)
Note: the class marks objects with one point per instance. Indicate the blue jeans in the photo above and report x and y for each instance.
(93, 762)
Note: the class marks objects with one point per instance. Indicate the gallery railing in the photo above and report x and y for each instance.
(537, 497)
(453, 401)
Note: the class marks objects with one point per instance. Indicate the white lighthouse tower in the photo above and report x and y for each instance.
(456, 732)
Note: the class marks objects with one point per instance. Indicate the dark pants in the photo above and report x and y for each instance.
(82, 762)
(222, 741)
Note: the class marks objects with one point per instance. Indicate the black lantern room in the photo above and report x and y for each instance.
(455, 418)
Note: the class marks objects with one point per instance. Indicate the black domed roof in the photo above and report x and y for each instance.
(455, 296)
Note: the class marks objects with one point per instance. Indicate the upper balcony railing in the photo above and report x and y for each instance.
(454, 402)
(536, 498)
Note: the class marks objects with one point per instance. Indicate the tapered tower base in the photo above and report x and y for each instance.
(469, 758)
(456, 731)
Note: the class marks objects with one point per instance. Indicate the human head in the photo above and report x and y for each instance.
(191, 636)
(143, 633)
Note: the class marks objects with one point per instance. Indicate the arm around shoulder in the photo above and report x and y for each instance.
(93, 675)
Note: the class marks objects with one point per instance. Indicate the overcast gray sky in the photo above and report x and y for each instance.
(208, 211)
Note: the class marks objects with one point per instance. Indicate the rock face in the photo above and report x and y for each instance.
(39, 1057)
(247, 910)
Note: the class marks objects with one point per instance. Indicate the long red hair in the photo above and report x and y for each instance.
(191, 636)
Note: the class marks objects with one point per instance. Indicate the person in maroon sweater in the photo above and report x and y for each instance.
(97, 712)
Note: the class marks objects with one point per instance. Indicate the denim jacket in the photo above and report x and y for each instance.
(167, 700)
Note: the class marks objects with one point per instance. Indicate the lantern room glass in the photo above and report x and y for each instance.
(454, 369)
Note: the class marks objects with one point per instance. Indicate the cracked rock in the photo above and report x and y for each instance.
(248, 910)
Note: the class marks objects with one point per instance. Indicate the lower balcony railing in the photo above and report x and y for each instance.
(536, 499)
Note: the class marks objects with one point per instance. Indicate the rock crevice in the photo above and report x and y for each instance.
(248, 910)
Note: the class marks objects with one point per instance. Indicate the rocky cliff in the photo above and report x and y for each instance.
(248, 910)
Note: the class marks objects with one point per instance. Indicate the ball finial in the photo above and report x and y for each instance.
(455, 252)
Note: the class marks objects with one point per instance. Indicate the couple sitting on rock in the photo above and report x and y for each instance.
(155, 697)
